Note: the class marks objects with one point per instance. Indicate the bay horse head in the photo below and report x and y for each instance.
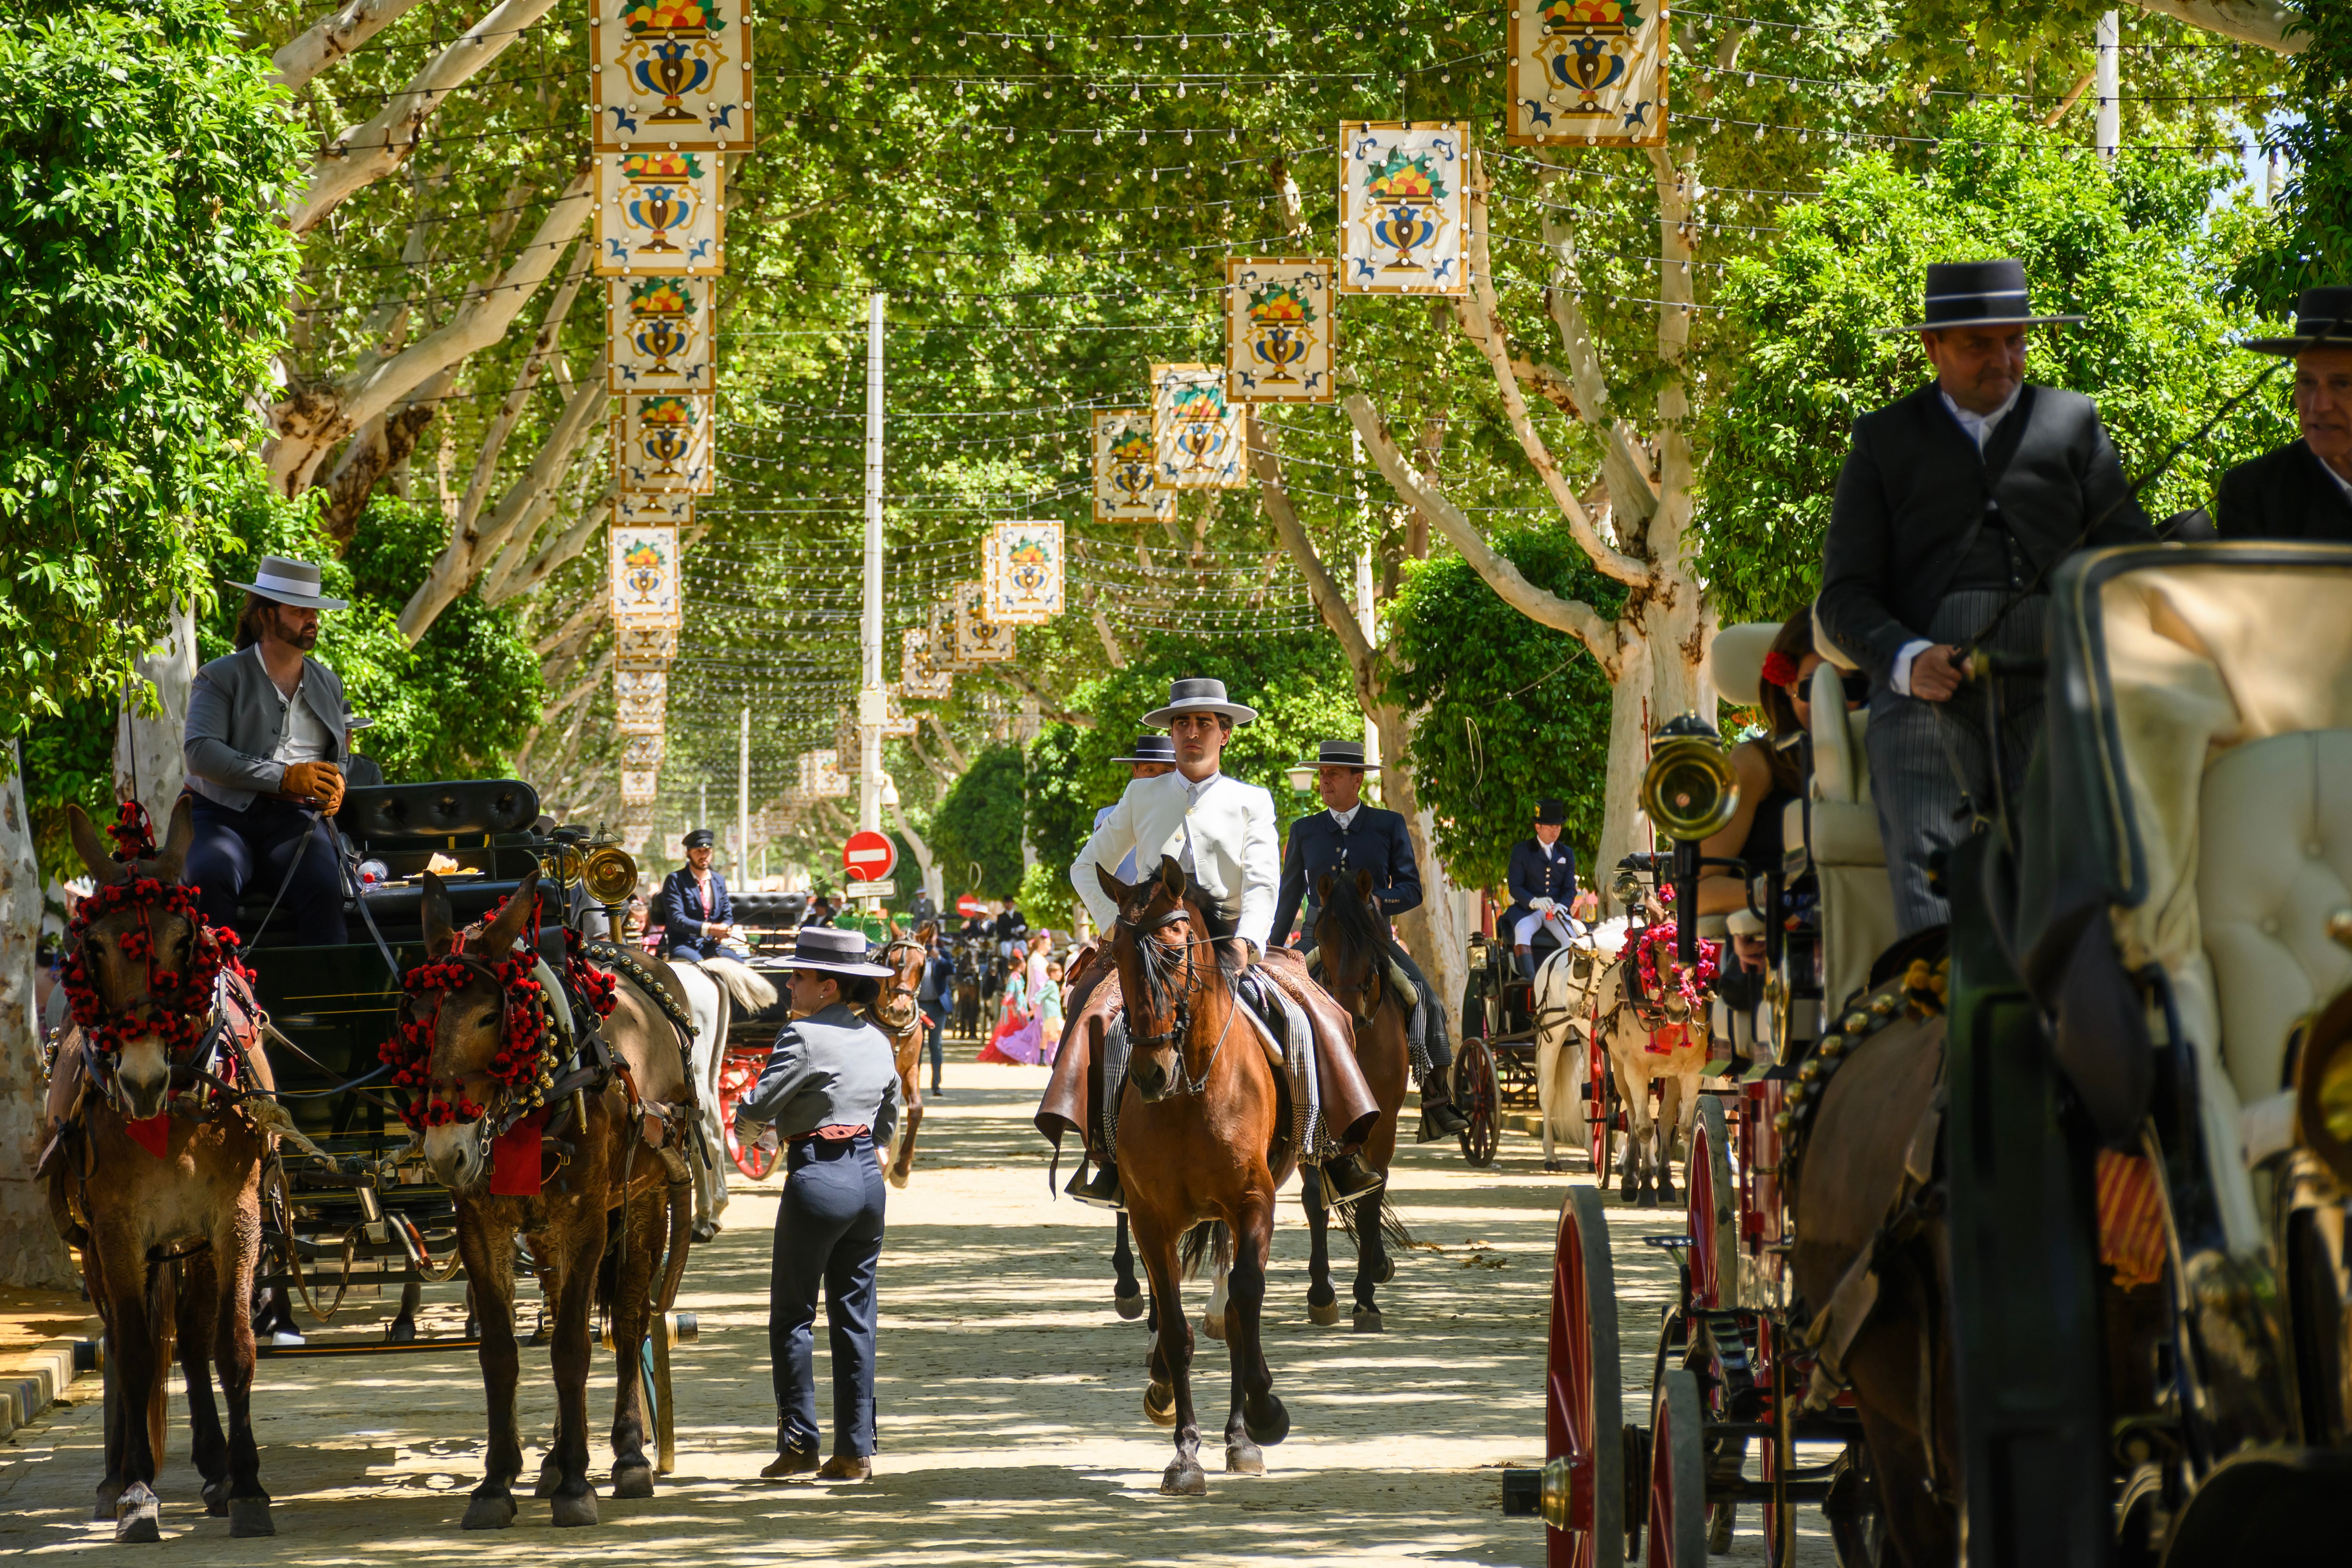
(1349, 945)
(457, 1008)
(135, 955)
(1157, 945)
(896, 1009)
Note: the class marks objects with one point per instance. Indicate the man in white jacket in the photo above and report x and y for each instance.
(1222, 832)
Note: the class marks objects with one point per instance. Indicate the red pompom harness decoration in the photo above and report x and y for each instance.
(1691, 982)
(176, 1006)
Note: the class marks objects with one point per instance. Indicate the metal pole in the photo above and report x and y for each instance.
(2106, 83)
(702, 804)
(872, 706)
(743, 804)
(1366, 621)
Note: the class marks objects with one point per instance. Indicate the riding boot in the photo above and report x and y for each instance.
(1346, 1178)
(789, 1460)
(1103, 1193)
(1439, 1119)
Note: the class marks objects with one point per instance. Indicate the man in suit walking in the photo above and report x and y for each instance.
(2303, 491)
(1541, 879)
(1955, 505)
(1346, 837)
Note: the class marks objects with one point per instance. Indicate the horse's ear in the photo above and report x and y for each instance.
(440, 936)
(171, 859)
(1323, 886)
(1364, 887)
(91, 845)
(1172, 876)
(1120, 891)
(514, 920)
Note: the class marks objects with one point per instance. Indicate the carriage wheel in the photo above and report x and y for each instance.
(737, 1075)
(1714, 1224)
(1600, 1117)
(1678, 1514)
(1482, 1100)
(1583, 1424)
(1778, 1451)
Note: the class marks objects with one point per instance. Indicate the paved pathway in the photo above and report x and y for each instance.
(1010, 1397)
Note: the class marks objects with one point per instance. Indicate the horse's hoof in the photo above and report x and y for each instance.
(249, 1516)
(573, 1511)
(897, 1177)
(1185, 1477)
(1666, 1192)
(217, 1498)
(1648, 1198)
(1274, 1429)
(1367, 1319)
(1243, 1459)
(1325, 1315)
(1129, 1306)
(633, 1481)
(1214, 1325)
(400, 1330)
(489, 1511)
(1627, 1188)
(138, 1516)
(1159, 1404)
(1553, 1168)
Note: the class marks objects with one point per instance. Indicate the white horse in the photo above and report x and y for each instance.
(714, 989)
(1646, 1177)
(1567, 986)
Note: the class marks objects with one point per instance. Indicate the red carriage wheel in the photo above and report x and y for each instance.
(737, 1074)
(1584, 1433)
(1678, 1512)
(1601, 1109)
(1778, 1451)
(1714, 1217)
(1481, 1100)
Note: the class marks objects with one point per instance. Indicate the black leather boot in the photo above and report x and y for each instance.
(1439, 1119)
(1103, 1193)
(1346, 1178)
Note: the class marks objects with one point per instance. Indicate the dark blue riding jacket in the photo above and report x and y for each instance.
(1374, 840)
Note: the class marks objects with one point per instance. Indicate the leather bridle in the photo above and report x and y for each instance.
(899, 989)
(1160, 960)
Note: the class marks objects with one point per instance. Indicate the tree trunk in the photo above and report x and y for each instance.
(30, 1252)
(147, 748)
(933, 883)
(332, 37)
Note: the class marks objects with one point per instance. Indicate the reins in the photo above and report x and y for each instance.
(1160, 960)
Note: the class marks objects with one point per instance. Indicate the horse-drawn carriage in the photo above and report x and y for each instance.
(2040, 1221)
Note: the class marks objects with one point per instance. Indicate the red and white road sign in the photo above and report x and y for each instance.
(869, 857)
(971, 908)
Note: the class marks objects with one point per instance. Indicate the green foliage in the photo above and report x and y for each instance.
(979, 822)
(454, 707)
(1048, 899)
(1526, 717)
(2312, 244)
(144, 271)
(68, 756)
(1054, 798)
(1800, 356)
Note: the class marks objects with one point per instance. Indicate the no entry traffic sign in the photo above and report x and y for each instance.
(869, 857)
(971, 908)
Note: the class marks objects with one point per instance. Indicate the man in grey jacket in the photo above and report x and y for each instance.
(267, 735)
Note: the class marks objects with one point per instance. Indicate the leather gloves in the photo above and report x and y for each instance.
(321, 782)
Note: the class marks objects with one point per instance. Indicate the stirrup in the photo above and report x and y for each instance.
(1103, 1193)
(1439, 1119)
(1347, 1178)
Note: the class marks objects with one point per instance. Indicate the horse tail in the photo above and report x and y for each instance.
(1398, 1235)
(1209, 1240)
(752, 991)
(681, 1193)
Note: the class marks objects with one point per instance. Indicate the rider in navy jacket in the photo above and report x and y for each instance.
(684, 917)
(1542, 867)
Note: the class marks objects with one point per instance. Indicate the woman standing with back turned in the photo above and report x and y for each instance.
(831, 1088)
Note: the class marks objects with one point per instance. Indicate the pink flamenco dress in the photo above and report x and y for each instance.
(1018, 1039)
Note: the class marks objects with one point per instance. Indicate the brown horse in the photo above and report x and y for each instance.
(899, 1016)
(1203, 1145)
(620, 1148)
(1352, 951)
(165, 1186)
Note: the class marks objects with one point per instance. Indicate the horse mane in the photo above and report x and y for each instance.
(1230, 961)
(1353, 915)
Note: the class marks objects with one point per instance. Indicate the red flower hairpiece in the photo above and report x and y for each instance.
(1780, 669)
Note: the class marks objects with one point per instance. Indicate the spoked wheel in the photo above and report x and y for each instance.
(1481, 1102)
(1714, 1217)
(1584, 1424)
(737, 1075)
(1778, 1451)
(1678, 1515)
(1600, 1124)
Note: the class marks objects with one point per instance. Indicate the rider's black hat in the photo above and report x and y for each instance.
(700, 838)
(1977, 294)
(1551, 813)
(2322, 317)
(1344, 755)
(1152, 749)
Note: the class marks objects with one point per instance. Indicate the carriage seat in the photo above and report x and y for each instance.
(2275, 818)
(1839, 828)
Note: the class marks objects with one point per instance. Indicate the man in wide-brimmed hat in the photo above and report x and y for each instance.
(1151, 756)
(266, 738)
(1221, 831)
(2303, 491)
(1954, 504)
(1349, 836)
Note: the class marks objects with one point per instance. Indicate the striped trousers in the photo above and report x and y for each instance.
(1931, 762)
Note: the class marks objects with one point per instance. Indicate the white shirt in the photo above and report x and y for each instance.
(1220, 829)
(1344, 818)
(1980, 428)
(302, 737)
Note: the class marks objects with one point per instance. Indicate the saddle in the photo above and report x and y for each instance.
(1282, 1031)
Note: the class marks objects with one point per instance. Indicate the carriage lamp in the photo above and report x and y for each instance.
(610, 874)
(1689, 790)
(2323, 1091)
(560, 864)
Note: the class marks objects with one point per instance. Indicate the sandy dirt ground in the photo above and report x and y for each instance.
(1010, 1397)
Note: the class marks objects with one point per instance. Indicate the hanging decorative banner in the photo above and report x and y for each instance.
(660, 215)
(646, 578)
(645, 643)
(1021, 570)
(657, 334)
(944, 656)
(1591, 72)
(1280, 338)
(1127, 469)
(662, 443)
(671, 73)
(641, 761)
(1195, 430)
(898, 725)
(642, 751)
(848, 746)
(917, 674)
(640, 696)
(676, 509)
(636, 827)
(979, 640)
(1402, 207)
(821, 776)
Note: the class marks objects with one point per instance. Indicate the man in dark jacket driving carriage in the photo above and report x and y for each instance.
(697, 915)
(2303, 491)
(1346, 837)
(1954, 504)
(1541, 879)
